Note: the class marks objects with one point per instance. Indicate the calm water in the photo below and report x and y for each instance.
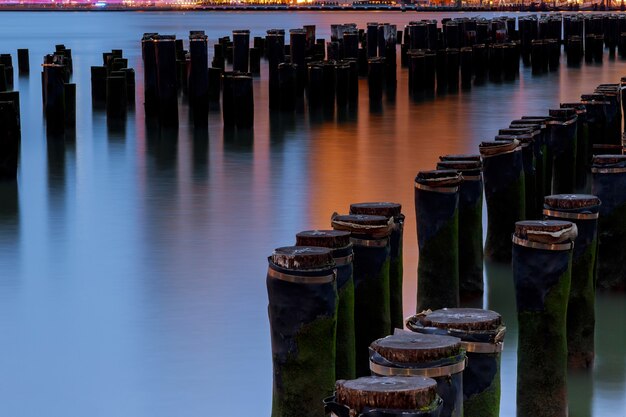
(133, 266)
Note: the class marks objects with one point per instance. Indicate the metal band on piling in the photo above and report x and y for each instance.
(476, 347)
(344, 260)
(567, 215)
(443, 190)
(299, 279)
(517, 149)
(608, 170)
(544, 246)
(455, 368)
(372, 243)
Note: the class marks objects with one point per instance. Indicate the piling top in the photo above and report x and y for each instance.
(460, 157)
(580, 107)
(395, 393)
(592, 97)
(439, 178)
(302, 258)
(465, 168)
(522, 138)
(609, 161)
(385, 209)
(571, 201)
(521, 130)
(492, 148)
(470, 319)
(333, 239)
(562, 113)
(535, 123)
(414, 348)
(377, 227)
(546, 231)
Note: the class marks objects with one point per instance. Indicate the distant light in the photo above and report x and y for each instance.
(100, 4)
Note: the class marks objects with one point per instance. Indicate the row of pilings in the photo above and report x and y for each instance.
(553, 191)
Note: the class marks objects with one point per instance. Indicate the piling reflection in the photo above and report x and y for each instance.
(9, 211)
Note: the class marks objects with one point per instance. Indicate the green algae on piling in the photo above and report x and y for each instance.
(341, 248)
(542, 265)
(302, 293)
(482, 334)
(437, 215)
(581, 210)
(391, 211)
(370, 240)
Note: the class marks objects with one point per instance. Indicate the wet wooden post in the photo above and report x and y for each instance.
(608, 178)
(479, 57)
(116, 100)
(503, 176)
(611, 96)
(583, 211)
(23, 61)
(452, 63)
(574, 51)
(467, 67)
(441, 71)
(302, 292)
(13, 97)
(542, 260)
(342, 83)
(98, 85)
(297, 42)
(554, 54)
(372, 40)
(416, 61)
(214, 84)
(370, 240)
(351, 44)
(7, 61)
(341, 249)
(315, 78)
(598, 48)
(526, 142)
(375, 79)
(409, 397)
(328, 87)
(470, 222)
(69, 104)
(150, 79)
(564, 133)
(237, 101)
(255, 60)
(10, 138)
(437, 214)
(275, 43)
(241, 50)
(54, 97)
(583, 148)
(287, 81)
(166, 80)
(218, 60)
(393, 212)
(482, 336)
(199, 77)
(412, 355)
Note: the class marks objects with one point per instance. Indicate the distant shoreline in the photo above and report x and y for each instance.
(282, 8)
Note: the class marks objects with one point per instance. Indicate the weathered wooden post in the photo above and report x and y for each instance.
(564, 134)
(241, 50)
(470, 222)
(302, 292)
(533, 209)
(10, 138)
(437, 214)
(583, 147)
(287, 82)
(54, 94)
(199, 77)
(372, 40)
(503, 176)
(116, 99)
(23, 62)
(98, 85)
(482, 336)
(372, 395)
(393, 213)
(424, 355)
(583, 211)
(150, 78)
(341, 249)
(370, 240)
(69, 104)
(275, 44)
(166, 80)
(375, 79)
(608, 178)
(542, 262)
(297, 42)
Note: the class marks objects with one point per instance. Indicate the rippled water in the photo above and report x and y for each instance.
(132, 266)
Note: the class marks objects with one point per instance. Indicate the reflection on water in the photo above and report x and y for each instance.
(132, 259)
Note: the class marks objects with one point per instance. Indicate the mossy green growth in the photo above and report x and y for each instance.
(371, 303)
(308, 374)
(612, 249)
(438, 268)
(396, 271)
(503, 210)
(581, 309)
(345, 360)
(471, 249)
(487, 402)
(542, 355)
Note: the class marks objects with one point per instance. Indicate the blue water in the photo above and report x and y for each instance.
(132, 266)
